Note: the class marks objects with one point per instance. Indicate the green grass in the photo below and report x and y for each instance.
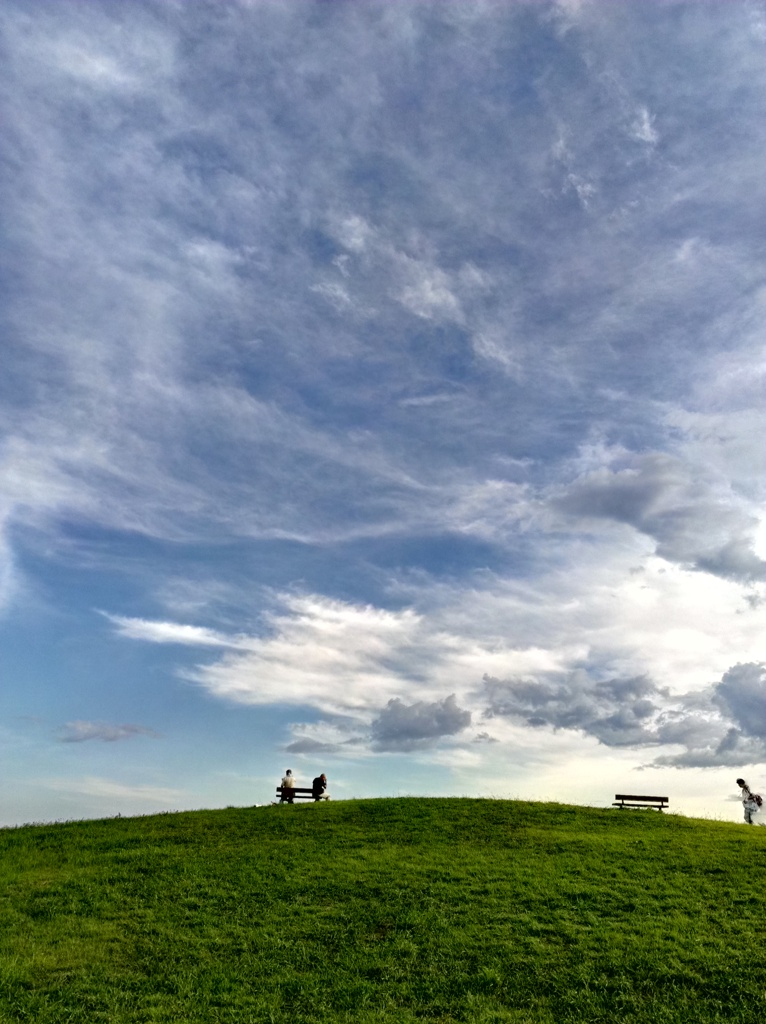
(385, 910)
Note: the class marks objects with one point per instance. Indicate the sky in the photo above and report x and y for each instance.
(382, 396)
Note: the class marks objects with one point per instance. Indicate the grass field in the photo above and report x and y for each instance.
(395, 910)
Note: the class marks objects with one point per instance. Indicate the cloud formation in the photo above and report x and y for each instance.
(109, 790)
(719, 726)
(742, 696)
(191, 258)
(618, 712)
(82, 731)
(401, 727)
(338, 659)
(172, 633)
(663, 498)
(353, 353)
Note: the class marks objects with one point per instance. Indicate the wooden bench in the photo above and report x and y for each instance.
(656, 802)
(285, 793)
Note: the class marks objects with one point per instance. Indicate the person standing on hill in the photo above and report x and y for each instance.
(751, 802)
(288, 782)
(319, 788)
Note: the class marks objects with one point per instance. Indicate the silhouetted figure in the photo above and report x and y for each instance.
(319, 788)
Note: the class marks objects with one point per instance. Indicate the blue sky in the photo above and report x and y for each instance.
(382, 395)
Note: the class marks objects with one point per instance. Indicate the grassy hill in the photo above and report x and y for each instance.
(397, 910)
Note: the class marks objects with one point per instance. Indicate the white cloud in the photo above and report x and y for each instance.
(82, 731)
(322, 653)
(172, 633)
(93, 51)
(354, 233)
(643, 127)
(429, 294)
(109, 789)
(335, 293)
(566, 14)
(493, 343)
(8, 573)
(593, 627)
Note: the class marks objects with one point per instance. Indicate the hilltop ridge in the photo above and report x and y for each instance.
(405, 909)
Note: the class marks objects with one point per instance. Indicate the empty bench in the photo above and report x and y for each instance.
(287, 794)
(659, 803)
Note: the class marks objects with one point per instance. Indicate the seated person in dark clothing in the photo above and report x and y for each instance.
(319, 788)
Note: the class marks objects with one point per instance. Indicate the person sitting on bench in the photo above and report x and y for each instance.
(288, 782)
(319, 788)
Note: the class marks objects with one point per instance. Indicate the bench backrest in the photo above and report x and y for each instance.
(654, 799)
